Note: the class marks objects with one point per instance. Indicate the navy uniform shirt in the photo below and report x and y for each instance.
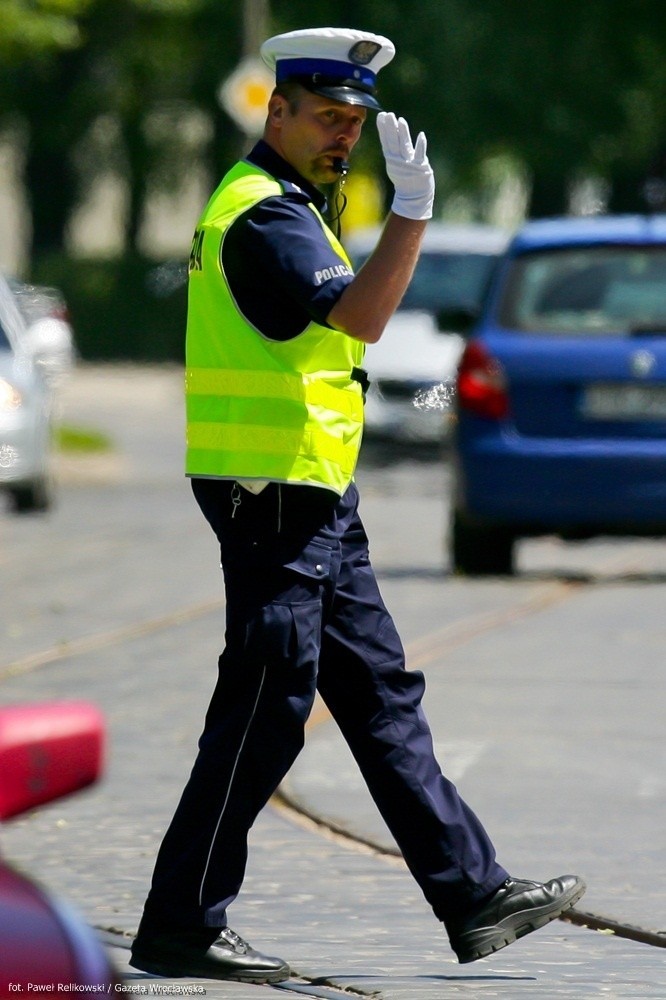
(281, 268)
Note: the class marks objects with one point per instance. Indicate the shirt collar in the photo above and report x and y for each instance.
(264, 156)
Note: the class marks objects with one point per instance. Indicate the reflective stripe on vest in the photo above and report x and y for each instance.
(285, 411)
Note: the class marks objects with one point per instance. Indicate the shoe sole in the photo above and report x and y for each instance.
(484, 941)
(206, 972)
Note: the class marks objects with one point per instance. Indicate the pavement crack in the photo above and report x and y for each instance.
(323, 989)
(607, 925)
(298, 813)
(102, 640)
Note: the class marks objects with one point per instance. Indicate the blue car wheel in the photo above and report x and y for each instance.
(479, 549)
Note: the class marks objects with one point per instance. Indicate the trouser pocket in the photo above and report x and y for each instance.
(285, 636)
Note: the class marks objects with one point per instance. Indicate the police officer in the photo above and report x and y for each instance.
(277, 323)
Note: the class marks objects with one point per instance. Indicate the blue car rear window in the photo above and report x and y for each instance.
(619, 290)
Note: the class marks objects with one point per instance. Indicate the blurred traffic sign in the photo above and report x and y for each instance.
(244, 95)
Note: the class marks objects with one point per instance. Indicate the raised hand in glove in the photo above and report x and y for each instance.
(407, 166)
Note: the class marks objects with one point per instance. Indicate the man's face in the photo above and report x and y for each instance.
(315, 134)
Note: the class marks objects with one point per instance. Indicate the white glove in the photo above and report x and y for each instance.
(407, 166)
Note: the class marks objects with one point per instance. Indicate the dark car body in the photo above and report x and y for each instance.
(561, 392)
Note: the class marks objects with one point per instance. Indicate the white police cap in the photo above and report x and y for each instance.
(340, 63)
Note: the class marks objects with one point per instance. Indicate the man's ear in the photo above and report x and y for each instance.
(276, 110)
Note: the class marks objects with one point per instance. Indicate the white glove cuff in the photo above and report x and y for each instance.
(414, 206)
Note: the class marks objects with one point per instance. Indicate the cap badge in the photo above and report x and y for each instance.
(363, 52)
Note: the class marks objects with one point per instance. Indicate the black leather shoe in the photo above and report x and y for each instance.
(191, 953)
(517, 908)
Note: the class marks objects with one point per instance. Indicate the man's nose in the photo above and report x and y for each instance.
(349, 131)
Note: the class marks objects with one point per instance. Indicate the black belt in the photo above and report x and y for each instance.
(361, 376)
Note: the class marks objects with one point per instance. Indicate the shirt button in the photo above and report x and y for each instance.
(319, 568)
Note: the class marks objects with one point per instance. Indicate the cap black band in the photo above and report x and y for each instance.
(347, 91)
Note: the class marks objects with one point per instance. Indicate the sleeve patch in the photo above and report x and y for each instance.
(336, 271)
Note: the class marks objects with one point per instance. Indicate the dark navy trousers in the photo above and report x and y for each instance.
(304, 612)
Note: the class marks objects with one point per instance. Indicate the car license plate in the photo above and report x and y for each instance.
(605, 401)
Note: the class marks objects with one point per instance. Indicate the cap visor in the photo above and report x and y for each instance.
(348, 95)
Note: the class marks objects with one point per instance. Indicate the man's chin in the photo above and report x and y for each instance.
(328, 176)
(324, 173)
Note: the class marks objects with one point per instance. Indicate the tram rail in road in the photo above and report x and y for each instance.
(428, 650)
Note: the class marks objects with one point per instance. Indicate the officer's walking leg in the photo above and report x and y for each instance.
(255, 722)
(377, 704)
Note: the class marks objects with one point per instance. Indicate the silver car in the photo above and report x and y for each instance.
(49, 337)
(25, 413)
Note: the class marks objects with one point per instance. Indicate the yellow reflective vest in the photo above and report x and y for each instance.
(256, 408)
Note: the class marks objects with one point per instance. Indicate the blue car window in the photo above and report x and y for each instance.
(587, 291)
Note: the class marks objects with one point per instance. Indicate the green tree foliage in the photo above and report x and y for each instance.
(566, 89)
(119, 99)
(562, 88)
(27, 29)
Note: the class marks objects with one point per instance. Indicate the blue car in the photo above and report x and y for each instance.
(561, 392)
